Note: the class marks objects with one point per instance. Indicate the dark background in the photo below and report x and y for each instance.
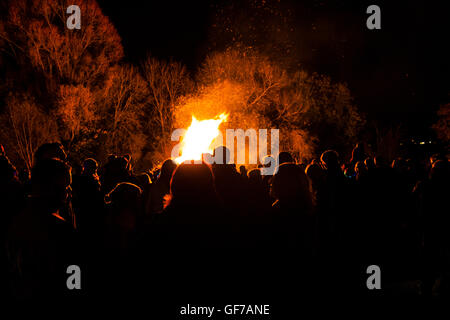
(397, 75)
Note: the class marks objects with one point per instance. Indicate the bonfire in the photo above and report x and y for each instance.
(199, 138)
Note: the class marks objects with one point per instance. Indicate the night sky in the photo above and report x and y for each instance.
(397, 74)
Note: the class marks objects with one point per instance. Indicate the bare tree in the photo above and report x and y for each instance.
(35, 33)
(28, 127)
(122, 104)
(76, 112)
(315, 104)
(261, 77)
(258, 93)
(65, 71)
(166, 82)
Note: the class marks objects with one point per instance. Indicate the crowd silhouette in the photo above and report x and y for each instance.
(160, 223)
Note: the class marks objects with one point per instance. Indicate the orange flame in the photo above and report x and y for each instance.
(199, 137)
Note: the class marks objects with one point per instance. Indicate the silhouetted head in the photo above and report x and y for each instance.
(114, 172)
(369, 163)
(155, 173)
(111, 157)
(167, 169)
(349, 172)
(143, 180)
(221, 155)
(124, 195)
(358, 153)
(90, 166)
(125, 204)
(380, 162)
(284, 157)
(330, 160)
(192, 184)
(435, 157)
(254, 176)
(399, 165)
(53, 150)
(440, 171)
(119, 163)
(315, 173)
(50, 183)
(360, 169)
(290, 184)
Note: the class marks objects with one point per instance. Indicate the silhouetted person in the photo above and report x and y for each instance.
(116, 170)
(259, 194)
(228, 183)
(88, 199)
(117, 254)
(243, 172)
(258, 198)
(12, 197)
(40, 241)
(159, 189)
(334, 178)
(369, 163)
(334, 198)
(123, 211)
(269, 164)
(192, 216)
(53, 150)
(11, 192)
(360, 171)
(293, 208)
(143, 180)
(358, 154)
(284, 157)
(192, 186)
(316, 175)
(434, 205)
(189, 240)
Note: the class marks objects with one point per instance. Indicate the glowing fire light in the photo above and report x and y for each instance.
(199, 137)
